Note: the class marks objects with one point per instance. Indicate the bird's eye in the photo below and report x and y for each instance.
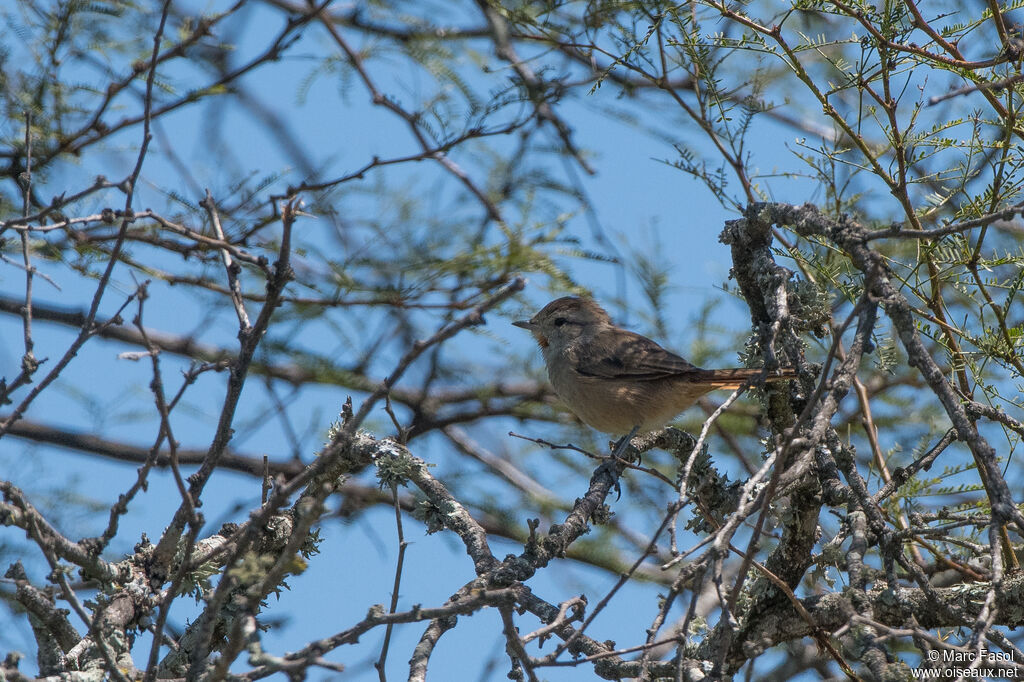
(559, 321)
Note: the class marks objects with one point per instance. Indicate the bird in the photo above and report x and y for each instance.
(615, 380)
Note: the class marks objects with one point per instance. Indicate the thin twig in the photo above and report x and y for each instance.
(229, 266)
(381, 662)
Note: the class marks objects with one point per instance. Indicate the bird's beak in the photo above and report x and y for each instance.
(533, 328)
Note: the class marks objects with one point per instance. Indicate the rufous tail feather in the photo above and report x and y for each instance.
(732, 379)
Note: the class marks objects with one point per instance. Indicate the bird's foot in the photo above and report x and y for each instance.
(618, 450)
(621, 444)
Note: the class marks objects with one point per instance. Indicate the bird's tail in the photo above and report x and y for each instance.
(732, 379)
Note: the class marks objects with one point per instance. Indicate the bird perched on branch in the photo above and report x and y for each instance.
(618, 381)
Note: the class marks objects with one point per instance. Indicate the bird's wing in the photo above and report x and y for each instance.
(626, 355)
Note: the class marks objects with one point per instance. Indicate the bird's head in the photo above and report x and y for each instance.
(564, 320)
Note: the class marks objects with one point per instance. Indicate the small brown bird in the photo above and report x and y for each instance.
(616, 380)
